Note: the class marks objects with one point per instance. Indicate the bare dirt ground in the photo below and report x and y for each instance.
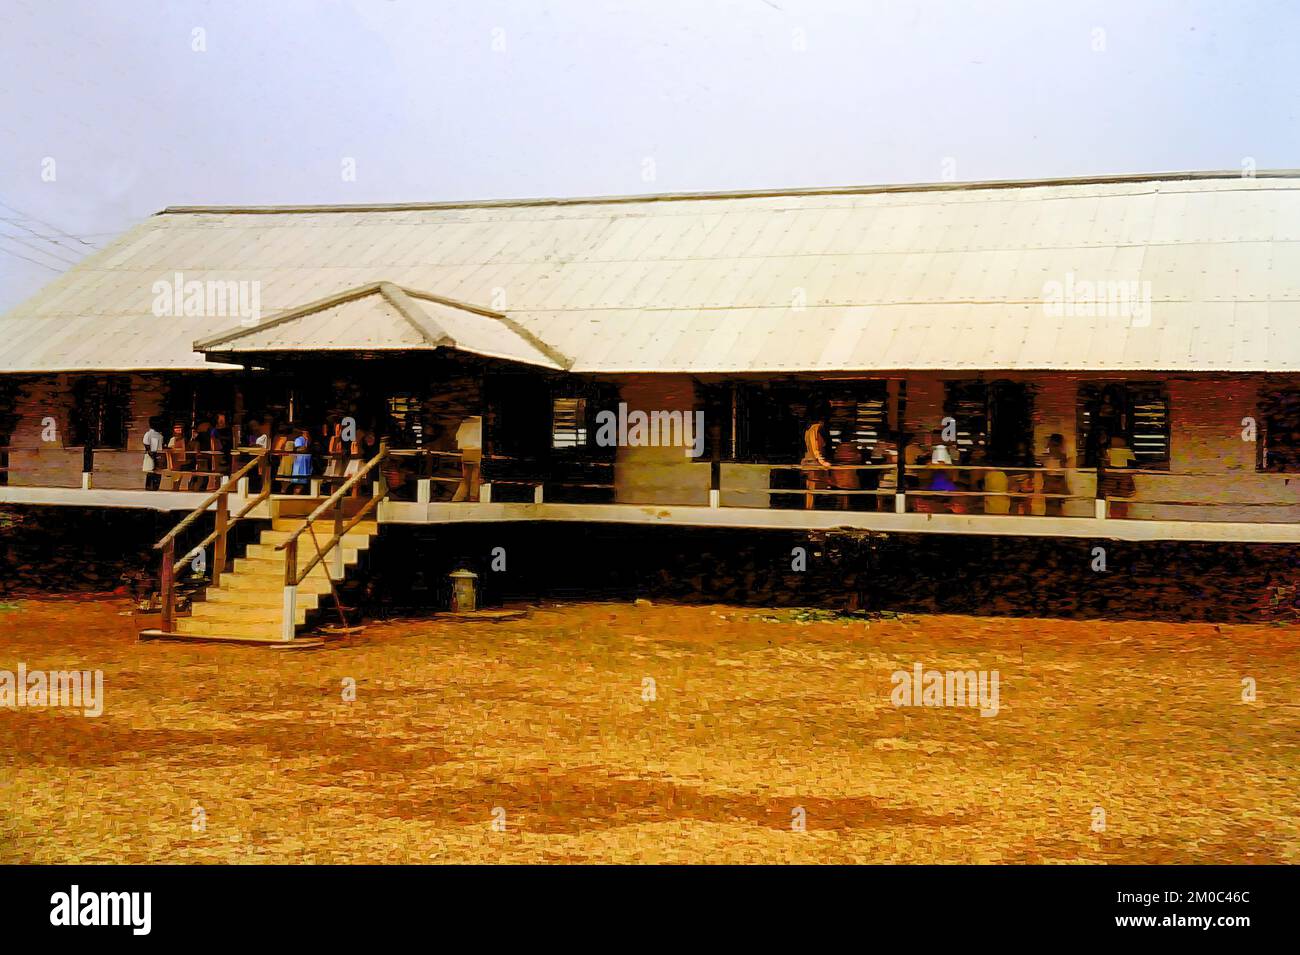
(211, 753)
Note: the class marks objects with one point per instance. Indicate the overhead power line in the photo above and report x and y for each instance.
(33, 261)
(37, 248)
(31, 218)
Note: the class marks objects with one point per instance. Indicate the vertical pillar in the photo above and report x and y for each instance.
(219, 546)
(167, 586)
(735, 419)
(264, 470)
(381, 482)
(900, 444)
(237, 425)
(337, 556)
(288, 625)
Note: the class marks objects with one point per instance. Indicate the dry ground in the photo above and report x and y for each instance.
(756, 713)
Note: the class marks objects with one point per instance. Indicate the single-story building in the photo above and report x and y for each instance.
(666, 359)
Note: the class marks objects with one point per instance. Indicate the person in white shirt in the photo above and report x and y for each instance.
(469, 438)
(939, 453)
(153, 445)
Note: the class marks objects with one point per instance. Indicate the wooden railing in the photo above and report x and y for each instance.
(574, 480)
(170, 565)
(1023, 490)
(293, 574)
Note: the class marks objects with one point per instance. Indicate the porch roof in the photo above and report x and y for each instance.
(382, 317)
(949, 276)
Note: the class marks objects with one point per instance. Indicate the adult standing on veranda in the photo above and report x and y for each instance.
(153, 445)
(1118, 484)
(1056, 483)
(469, 439)
(847, 456)
(815, 462)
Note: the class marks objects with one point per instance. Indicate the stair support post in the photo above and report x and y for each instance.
(264, 472)
(288, 624)
(167, 587)
(219, 545)
(337, 557)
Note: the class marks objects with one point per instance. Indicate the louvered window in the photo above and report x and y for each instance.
(966, 402)
(994, 415)
(1136, 411)
(100, 412)
(772, 416)
(569, 423)
(408, 427)
(1279, 431)
(859, 418)
(8, 403)
(1149, 424)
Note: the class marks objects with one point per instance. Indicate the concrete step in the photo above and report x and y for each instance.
(263, 600)
(268, 552)
(258, 567)
(233, 613)
(261, 583)
(323, 524)
(353, 538)
(224, 628)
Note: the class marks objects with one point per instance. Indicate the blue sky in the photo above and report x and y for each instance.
(274, 100)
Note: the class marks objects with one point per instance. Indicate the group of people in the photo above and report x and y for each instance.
(842, 468)
(298, 454)
(332, 453)
(198, 459)
(951, 479)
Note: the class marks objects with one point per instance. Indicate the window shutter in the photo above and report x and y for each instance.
(405, 410)
(861, 421)
(1278, 439)
(967, 403)
(1148, 424)
(569, 423)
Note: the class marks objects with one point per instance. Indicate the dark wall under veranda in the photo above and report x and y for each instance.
(1013, 576)
(51, 550)
(62, 549)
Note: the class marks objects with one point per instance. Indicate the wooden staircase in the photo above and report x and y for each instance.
(248, 602)
(290, 572)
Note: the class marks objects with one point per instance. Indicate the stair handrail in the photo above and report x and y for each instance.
(292, 576)
(221, 497)
(211, 499)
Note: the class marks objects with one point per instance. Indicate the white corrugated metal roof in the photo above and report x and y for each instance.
(878, 278)
(366, 323)
(382, 317)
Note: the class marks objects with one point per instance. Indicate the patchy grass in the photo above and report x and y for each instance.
(755, 715)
